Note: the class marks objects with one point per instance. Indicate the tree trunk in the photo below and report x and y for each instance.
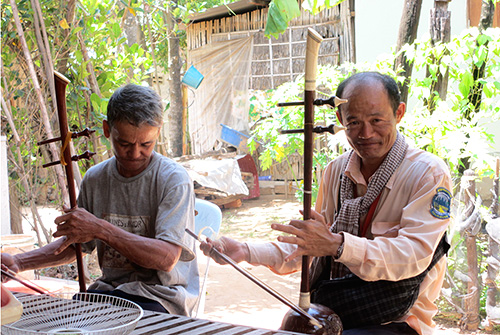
(94, 87)
(174, 114)
(440, 30)
(152, 48)
(407, 34)
(487, 13)
(134, 33)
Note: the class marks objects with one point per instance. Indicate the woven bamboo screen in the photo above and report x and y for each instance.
(276, 61)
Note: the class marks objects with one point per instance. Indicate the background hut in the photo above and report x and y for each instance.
(227, 45)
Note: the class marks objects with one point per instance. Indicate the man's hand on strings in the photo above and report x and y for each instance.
(77, 225)
(312, 237)
(237, 251)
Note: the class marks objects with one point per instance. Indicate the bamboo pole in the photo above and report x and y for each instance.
(48, 64)
(41, 101)
(42, 42)
(24, 178)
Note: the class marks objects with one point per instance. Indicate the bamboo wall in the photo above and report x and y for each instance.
(276, 61)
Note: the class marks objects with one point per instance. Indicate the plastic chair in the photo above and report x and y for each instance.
(207, 222)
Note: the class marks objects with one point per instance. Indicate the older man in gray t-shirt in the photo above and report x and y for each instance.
(157, 203)
(134, 208)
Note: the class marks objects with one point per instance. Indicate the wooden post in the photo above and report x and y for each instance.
(184, 120)
(470, 320)
(493, 257)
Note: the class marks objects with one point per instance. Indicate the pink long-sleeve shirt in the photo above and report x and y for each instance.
(405, 230)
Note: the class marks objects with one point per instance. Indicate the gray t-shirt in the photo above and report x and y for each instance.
(157, 203)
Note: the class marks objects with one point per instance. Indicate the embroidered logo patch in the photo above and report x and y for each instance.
(441, 203)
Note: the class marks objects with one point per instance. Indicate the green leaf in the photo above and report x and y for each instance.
(279, 14)
(482, 54)
(96, 101)
(433, 69)
(466, 83)
(116, 30)
(104, 106)
(483, 39)
(487, 91)
(78, 56)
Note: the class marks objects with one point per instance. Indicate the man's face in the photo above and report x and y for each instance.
(132, 146)
(369, 120)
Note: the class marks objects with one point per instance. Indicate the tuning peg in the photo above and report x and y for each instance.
(86, 155)
(86, 132)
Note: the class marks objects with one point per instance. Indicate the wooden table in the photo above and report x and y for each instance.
(160, 323)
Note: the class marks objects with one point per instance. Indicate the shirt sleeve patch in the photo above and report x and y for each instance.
(441, 204)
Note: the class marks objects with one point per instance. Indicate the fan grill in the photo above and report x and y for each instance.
(70, 314)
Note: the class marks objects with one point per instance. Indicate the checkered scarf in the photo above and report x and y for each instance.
(353, 208)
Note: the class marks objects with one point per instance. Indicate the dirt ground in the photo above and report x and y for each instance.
(231, 297)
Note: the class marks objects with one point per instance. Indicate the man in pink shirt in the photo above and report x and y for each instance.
(378, 229)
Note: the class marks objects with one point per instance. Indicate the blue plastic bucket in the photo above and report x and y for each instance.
(192, 77)
(233, 136)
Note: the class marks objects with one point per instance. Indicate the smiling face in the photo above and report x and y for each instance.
(370, 122)
(132, 145)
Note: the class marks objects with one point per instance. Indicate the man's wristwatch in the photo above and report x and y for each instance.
(340, 249)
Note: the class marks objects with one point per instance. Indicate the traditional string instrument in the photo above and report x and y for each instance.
(293, 321)
(65, 158)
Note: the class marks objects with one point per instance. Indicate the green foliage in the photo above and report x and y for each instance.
(272, 119)
(455, 130)
(442, 130)
(99, 25)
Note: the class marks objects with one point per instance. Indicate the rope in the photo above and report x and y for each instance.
(64, 146)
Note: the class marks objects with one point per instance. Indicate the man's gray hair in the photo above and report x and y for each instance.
(136, 105)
